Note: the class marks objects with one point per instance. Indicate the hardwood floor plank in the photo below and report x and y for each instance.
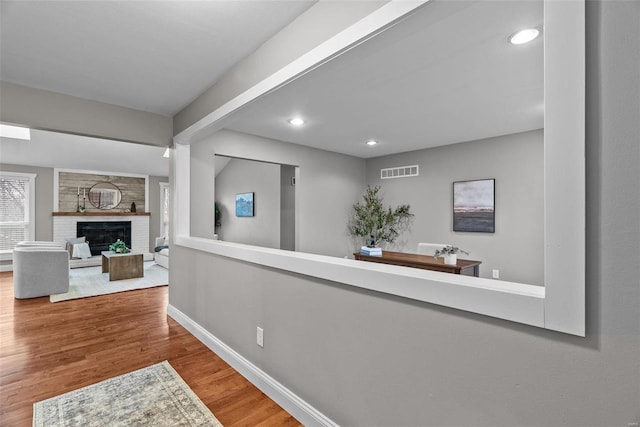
(48, 349)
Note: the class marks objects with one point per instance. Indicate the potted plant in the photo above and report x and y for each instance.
(376, 223)
(118, 247)
(450, 254)
(217, 216)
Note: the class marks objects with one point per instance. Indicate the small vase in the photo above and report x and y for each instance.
(451, 259)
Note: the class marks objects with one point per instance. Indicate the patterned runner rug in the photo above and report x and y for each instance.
(152, 396)
(91, 281)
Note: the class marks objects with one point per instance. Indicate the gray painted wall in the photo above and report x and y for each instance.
(263, 179)
(287, 208)
(41, 109)
(321, 210)
(365, 358)
(155, 208)
(515, 162)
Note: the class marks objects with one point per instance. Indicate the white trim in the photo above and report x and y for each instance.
(564, 160)
(181, 193)
(95, 172)
(146, 193)
(6, 267)
(56, 183)
(290, 402)
(560, 304)
(163, 186)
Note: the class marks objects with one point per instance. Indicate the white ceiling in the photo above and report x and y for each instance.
(154, 56)
(444, 75)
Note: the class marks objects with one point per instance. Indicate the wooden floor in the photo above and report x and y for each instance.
(48, 349)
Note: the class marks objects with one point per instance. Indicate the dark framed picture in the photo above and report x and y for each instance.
(244, 204)
(474, 206)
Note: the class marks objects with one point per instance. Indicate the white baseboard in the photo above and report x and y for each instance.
(292, 403)
(6, 267)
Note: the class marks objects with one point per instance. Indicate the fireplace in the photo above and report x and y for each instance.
(100, 234)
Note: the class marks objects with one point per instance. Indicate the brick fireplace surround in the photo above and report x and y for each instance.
(64, 226)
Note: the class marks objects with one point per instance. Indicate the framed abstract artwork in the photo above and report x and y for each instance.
(474, 206)
(244, 204)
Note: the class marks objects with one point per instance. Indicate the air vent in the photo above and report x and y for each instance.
(400, 172)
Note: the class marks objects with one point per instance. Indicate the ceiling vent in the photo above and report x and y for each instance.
(400, 172)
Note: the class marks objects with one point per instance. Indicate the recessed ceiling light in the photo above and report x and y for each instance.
(296, 121)
(372, 142)
(9, 131)
(524, 36)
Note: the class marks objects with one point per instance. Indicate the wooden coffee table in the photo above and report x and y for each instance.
(122, 266)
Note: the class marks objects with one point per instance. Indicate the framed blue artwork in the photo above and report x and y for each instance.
(244, 204)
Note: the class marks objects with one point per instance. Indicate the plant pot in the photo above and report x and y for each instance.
(451, 259)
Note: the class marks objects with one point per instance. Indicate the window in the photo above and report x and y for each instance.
(17, 209)
(164, 209)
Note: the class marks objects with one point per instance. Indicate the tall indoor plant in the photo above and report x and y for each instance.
(377, 223)
(217, 218)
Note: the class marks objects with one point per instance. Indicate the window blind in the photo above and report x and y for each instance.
(14, 211)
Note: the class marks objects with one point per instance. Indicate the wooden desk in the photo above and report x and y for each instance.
(465, 267)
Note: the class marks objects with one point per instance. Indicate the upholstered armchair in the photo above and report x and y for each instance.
(40, 270)
(161, 255)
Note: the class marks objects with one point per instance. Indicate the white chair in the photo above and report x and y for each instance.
(161, 256)
(40, 271)
(430, 248)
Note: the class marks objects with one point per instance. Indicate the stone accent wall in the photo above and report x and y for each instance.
(132, 189)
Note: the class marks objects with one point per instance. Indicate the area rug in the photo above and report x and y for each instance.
(91, 281)
(152, 396)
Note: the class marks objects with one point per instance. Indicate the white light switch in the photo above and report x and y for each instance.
(260, 336)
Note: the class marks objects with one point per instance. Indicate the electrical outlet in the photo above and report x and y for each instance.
(496, 274)
(260, 336)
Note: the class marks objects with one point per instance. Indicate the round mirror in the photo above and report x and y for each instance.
(105, 195)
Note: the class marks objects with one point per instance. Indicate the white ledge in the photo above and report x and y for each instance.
(505, 300)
